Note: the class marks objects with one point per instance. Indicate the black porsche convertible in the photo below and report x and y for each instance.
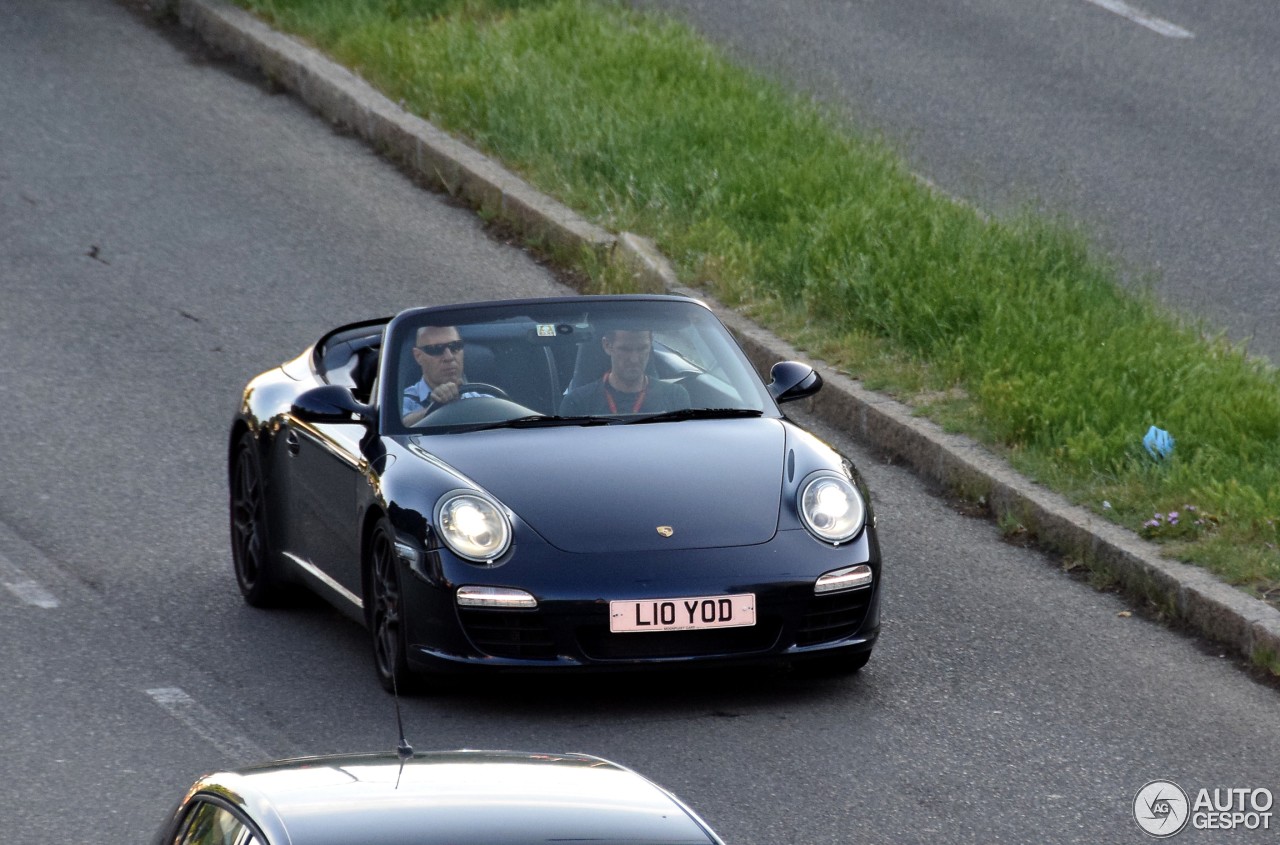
(596, 482)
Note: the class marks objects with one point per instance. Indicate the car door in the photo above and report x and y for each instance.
(323, 468)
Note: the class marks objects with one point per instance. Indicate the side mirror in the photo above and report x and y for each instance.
(791, 380)
(330, 403)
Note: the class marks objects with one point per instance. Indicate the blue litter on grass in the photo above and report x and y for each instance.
(1158, 443)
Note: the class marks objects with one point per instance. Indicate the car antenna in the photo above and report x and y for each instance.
(404, 750)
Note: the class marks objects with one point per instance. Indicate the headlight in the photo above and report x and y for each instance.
(473, 526)
(831, 508)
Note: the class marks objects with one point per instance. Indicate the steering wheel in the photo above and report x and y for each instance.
(490, 390)
(482, 387)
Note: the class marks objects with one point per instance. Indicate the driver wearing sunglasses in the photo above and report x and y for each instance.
(438, 351)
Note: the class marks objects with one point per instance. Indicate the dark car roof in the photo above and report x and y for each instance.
(456, 797)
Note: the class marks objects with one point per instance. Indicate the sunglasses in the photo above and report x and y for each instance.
(435, 350)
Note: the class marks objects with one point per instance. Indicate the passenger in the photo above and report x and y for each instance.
(439, 352)
(626, 388)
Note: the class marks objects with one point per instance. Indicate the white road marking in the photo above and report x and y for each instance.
(1163, 27)
(204, 724)
(25, 588)
(29, 592)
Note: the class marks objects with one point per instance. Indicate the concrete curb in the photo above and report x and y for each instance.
(1190, 595)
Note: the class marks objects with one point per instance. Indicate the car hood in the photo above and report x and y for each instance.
(593, 489)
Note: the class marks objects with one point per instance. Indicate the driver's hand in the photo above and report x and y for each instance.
(444, 393)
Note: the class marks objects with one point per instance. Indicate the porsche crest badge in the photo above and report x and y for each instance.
(666, 530)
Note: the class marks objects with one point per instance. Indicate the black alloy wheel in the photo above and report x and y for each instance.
(385, 614)
(251, 551)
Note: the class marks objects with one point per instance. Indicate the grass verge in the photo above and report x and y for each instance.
(1010, 330)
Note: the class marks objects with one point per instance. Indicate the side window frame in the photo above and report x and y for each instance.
(248, 833)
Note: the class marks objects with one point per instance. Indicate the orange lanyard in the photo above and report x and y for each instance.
(613, 406)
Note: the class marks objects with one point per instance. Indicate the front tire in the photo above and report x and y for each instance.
(385, 614)
(257, 570)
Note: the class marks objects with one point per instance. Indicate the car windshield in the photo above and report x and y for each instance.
(573, 361)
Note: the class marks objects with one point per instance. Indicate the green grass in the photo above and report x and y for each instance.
(1010, 330)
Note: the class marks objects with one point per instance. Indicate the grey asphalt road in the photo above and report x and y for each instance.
(1166, 150)
(168, 228)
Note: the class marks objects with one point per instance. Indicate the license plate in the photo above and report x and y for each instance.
(689, 614)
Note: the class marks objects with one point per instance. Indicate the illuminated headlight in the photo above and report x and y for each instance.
(473, 526)
(831, 508)
(849, 578)
(494, 597)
